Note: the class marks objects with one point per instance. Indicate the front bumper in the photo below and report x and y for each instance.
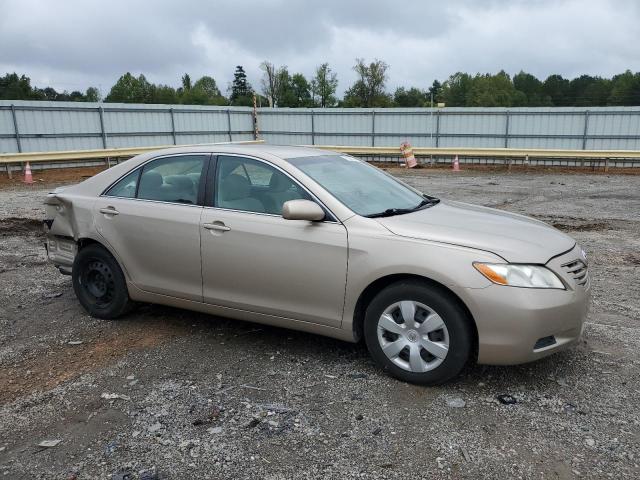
(518, 325)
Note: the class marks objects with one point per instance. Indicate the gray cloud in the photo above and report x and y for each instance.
(74, 44)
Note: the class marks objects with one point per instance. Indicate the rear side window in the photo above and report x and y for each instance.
(172, 179)
(126, 187)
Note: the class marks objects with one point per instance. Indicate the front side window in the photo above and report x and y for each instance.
(366, 190)
(172, 179)
(253, 186)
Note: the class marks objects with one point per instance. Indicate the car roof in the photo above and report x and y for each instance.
(281, 151)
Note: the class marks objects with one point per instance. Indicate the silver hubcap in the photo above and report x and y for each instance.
(413, 336)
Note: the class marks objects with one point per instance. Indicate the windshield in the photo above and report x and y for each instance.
(366, 190)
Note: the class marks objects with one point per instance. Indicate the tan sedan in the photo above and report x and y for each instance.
(321, 242)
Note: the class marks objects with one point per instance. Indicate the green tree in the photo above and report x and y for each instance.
(204, 91)
(414, 97)
(369, 90)
(294, 90)
(556, 88)
(598, 92)
(164, 94)
(302, 90)
(494, 91)
(455, 89)
(625, 89)
(92, 94)
(323, 86)
(241, 91)
(434, 92)
(186, 82)
(14, 87)
(50, 94)
(129, 89)
(531, 87)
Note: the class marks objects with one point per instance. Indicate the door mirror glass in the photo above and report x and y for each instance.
(302, 210)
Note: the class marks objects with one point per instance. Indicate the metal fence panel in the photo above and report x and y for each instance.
(474, 123)
(51, 144)
(49, 126)
(123, 141)
(405, 124)
(546, 124)
(197, 121)
(614, 124)
(8, 145)
(282, 121)
(137, 121)
(329, 122)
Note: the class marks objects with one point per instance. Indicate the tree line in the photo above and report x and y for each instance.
(280, 88)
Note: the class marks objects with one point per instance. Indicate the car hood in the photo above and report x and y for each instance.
(514, 237)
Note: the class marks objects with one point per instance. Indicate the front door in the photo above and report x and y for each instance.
(151, 219)
(253, 259)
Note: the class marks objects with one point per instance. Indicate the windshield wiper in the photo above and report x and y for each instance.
(389, 212)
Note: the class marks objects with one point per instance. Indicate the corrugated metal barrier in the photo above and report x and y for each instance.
(31, 126)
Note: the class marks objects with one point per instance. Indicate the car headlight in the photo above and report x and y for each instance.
(514, 275)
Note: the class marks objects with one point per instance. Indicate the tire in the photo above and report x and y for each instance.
(99, 283)
(438, 321)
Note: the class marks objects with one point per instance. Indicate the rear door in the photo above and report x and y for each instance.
(253, 259)
(151, 219)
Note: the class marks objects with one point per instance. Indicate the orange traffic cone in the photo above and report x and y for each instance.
(456, 164)
(28, 178)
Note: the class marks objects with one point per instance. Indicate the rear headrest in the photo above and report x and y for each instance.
(279, 182)
(181, 181)
(234, 187)
(150, 179)
(195, 177)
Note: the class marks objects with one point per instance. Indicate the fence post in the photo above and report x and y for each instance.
(586, 129)
(102, 130)
(15, 127)
(506, 131)
(373, 128)
(173, 126)
(313, 129)
(229, 124)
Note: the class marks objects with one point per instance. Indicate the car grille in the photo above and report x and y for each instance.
(578, 270)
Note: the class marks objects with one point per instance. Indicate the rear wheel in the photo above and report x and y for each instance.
(99, 283)
(418, 333)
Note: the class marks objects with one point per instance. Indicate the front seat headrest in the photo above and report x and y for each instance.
(234, 187)
(151, 179)
(279, 182)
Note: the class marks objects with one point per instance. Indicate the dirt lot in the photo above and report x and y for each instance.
(170, 394)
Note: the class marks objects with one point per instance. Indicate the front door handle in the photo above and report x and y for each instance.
(220, 227)
(109, 211)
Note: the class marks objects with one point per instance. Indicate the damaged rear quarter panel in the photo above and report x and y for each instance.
(68, 218)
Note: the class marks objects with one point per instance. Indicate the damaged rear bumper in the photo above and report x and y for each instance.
(61, 251)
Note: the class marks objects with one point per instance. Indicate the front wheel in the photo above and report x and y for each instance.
(99, 283)
(418, 333)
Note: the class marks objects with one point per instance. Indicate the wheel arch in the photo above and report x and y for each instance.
(86, 241)
(381, 283)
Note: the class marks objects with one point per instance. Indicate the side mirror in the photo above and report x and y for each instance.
(302, 210)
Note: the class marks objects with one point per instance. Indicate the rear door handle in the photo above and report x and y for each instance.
(109, 211)
(221, 227)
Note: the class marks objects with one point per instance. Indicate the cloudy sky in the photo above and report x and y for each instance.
(73, 44)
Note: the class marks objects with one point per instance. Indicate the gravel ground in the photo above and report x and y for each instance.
(168, 394)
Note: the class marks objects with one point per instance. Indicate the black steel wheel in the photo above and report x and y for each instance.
(99, 283)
